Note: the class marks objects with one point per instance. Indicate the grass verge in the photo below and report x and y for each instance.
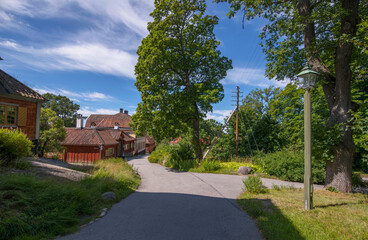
(226, 168)
(280, 214)
(32, 208)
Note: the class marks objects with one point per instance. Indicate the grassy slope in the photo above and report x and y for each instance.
(280, 214)
(32, 208)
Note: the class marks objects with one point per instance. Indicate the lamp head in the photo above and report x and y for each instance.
(308, 77)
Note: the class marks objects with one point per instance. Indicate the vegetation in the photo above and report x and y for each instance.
(13, 145)
(253, 184)
(289, 166)
(279, 214)
(33, 208)
(178, 71)
(334, 36)
(52, 132)
(64, 108)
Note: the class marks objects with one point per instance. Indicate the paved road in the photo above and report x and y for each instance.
(176, 205)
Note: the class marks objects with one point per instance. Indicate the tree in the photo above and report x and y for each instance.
(334, 37)
(52, 132)
(178, 71)
(63, 107)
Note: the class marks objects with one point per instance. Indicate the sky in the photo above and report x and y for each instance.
(86, 50)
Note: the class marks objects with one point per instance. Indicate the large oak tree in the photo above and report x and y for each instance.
(331, 36)
(178, 71)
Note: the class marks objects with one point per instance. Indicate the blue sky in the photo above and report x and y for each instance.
(86, 50)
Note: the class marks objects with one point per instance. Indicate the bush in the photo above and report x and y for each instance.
(290, 166)
(211, 165)
(253, 184)
(181, 156)
(13, 145)
(160, 154)
(357, 180)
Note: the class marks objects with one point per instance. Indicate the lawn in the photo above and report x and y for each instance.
(280, 214)
(34, 208)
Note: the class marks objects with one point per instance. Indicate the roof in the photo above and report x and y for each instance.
(128, 136)
(149, 140)
(10, 85)
(109, 121)
(88, 137)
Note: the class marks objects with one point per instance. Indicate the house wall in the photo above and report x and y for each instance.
(31, 116)
(87, 154)
(129, 150)
(150, 147)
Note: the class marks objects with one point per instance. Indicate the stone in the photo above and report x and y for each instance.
(244, 170)
(108, 195)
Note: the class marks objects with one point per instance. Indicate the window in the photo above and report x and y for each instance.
(109, 152)
(8, 115)
(93, 124)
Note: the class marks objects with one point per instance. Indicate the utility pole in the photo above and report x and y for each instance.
(237, 121)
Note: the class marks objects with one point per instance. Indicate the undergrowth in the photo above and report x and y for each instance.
(39, 209)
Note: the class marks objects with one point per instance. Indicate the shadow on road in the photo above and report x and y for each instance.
(273, 224)
(145, 215)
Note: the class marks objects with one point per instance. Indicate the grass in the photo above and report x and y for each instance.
(227, 168)
(32, 208)
(280, 214)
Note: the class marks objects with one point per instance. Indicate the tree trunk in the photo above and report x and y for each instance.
(196, 141)
(337, 89)
(338, 172)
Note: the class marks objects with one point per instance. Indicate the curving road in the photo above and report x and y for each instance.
(176, 205)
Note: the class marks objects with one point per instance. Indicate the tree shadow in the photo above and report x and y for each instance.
(269, 218)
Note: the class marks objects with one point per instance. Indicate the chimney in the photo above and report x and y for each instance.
(79, 124)
(126, 111)
(121, 110)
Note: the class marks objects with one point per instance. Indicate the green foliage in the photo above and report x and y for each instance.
(357, 180)
(290, 166)
(332, 189)
(181, 156)
(52, 132)
(160, 154)
(22, 165)
(63, 107)
(253, 184)
(178, 71)
(13, 145)
(42, 209)
(211, 165)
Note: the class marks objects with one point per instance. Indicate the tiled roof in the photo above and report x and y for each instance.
(128, 136)
(10, 85)
(149, 140)
(109, 121)
(88, 137)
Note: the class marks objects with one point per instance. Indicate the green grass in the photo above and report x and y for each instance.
(227, 168)
(280, 214)
(32, 208)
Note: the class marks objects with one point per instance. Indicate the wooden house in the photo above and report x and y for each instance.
(20, 107)
(104, 136)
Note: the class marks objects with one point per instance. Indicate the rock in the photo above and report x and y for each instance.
(244, 170)
(108, 195)
(103, 212)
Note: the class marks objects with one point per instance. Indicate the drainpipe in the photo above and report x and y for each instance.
(101, 148)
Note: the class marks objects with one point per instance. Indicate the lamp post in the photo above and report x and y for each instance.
(308, 77)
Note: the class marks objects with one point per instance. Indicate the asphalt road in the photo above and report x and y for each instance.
(175, 205)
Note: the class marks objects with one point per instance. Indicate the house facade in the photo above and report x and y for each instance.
(20, 107)
(104, 136)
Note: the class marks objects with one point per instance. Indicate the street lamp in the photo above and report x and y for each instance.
(308, 78)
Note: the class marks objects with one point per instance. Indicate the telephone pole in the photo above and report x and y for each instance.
(237, 122)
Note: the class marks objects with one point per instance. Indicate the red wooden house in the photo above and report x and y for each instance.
(104, 136)
(20, 107)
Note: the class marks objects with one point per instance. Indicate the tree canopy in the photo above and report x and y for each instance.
(65, 108)
(331, 36)
(178, 71)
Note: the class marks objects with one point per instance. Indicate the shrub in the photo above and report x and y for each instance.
(181, 156)
(253, 184)
(290, 166)
(357, 180)
(211, 165)
(160, 154)
(13, 145)
(332, 189)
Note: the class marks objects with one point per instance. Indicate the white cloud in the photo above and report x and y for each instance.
(86, 111)
(77, 96)
(87, 57)
(252, 77)
(219, 115)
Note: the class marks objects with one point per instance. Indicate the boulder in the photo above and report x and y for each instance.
(244, 170)
(108, 195)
